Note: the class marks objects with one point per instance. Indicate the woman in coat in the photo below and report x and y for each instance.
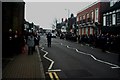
(30, 43)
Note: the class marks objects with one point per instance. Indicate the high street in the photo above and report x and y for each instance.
(85, 40)
(70, 60)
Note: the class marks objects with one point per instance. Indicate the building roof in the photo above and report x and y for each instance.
(114, 7)
(90, 5)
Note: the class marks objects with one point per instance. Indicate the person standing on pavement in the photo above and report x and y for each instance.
(49, 36)
(30, 43)
(37, 39)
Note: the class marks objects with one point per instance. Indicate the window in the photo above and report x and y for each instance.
(92, 15)
(104, 21)
(118, 18)
(87, 15)
(107, 20)
(77, 18)
(96, 15)
(80, 18)
(84, 17)
(113, 19)
(110, 19)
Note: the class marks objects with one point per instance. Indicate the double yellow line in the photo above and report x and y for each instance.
(53, 76)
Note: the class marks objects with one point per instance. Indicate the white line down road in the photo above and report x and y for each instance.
(114, 66)
(52, 62)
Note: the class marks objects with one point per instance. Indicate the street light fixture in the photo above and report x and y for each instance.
(68, 12)
(67, 18)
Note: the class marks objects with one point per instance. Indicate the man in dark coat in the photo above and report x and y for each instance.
(49, 36)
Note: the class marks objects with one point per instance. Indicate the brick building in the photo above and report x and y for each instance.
(111, 18)
(89, 20)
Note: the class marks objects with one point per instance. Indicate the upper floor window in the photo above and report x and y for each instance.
(80, 18)
(92, 14)
(96, 15)
(83, 16)
(110, 20)
(118, 18)
(87, 15)
(113, 19)
(104, 21)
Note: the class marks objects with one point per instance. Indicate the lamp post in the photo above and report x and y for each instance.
(68, 11)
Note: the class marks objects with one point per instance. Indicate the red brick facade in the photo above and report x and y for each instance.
(91, 18)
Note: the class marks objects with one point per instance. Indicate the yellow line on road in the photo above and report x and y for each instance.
(56, 76)
(51, 76)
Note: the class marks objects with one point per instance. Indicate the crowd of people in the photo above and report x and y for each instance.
(106, 42)
(16, 44)
(31, 41)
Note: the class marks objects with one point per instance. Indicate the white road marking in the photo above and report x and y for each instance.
(93, 57)
(52, 62)
(51, 43)
(115, 66)
(107, 51)
(92, 48)
(68, 47)
(56, 70)
(74, 48)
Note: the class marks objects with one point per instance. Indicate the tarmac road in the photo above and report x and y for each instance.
(73, 61)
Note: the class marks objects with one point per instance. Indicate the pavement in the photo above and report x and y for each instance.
(24, 66)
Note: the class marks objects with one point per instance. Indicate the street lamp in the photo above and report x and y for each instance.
(67, 18)
(68, 12)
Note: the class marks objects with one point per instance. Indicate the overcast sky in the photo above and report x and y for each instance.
(45, 13)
